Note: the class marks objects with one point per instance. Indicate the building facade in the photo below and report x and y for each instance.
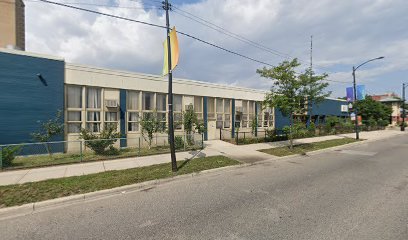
(35, 87)
(395, 102)
(12, 24)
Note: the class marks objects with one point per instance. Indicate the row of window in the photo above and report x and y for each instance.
(141, 104)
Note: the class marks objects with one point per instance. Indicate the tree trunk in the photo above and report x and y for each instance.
(291, 132)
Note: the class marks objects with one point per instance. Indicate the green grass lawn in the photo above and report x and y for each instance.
(19, 194)
(66, 158)
(307, 147)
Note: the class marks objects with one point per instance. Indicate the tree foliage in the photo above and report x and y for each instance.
(101, 143)
(372, 111)
(290, 91)
(49, 129)
(150, 124)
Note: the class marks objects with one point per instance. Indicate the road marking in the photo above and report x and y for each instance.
(353, 152)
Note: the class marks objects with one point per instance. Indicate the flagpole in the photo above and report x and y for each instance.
(166, 7)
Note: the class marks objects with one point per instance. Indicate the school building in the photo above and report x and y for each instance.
(34, 87)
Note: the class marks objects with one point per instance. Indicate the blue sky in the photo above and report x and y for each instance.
(345, 33)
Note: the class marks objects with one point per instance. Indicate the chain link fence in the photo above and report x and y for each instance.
(29, 155)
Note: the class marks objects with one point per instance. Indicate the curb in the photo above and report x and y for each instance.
(30, 208)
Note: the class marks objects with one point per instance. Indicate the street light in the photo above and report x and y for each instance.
(355, 92)
(404, 85)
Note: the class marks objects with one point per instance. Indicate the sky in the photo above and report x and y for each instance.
(345, 34)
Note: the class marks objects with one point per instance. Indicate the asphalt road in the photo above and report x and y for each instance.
(358, 193)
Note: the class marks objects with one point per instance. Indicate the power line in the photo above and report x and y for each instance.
(227, 32)
(101, 5)
(158, 26)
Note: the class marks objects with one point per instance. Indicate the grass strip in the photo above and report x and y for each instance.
(19, 194)
(34, 161)
(307, 147)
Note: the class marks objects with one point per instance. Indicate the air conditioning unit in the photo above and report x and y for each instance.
(111, 103)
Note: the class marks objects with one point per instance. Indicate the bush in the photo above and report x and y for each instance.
(101, 142)
(383, 123)
(8, 154)
(178, 142)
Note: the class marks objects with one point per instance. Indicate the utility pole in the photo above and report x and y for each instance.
(403, 106)
(167, 7)
(310, 104)
(355, 105)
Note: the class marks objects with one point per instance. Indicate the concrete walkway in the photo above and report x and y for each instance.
(244, 153)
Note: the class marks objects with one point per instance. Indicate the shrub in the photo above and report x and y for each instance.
(178, 142)
(383, 123)
(101, 144)
(8, 154)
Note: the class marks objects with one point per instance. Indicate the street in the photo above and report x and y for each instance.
(359, 192)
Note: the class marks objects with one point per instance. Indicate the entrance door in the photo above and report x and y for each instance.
(212, 130)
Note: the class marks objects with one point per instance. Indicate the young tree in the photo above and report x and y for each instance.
(48, 130)
(150, 124)
(314, 89)
(190, 122)
(101, 141)
(289, 90)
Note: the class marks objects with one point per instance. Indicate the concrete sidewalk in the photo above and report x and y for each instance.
(39, 174)
(244, 153)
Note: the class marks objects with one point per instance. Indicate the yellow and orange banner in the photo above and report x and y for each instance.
(174, 52)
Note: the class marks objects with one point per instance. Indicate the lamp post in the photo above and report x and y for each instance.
(404, 85)
(355, 93)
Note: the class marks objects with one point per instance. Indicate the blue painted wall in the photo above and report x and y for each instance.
(123, 110)
(205, 117)
(329, 107)
(25, 99)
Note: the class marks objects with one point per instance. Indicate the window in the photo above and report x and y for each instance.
(220, 105)
(93, 121)
(133, 121)
(148, 101)
(74, 109)
(133, 108)
(227, 121)
(161, 102)
(244, 114)
(227, 113)
(177, 103)
(74, 97)
(177, 115)
(198, 104)
(111, 119)
(211, 108)
(93, 113)
(133, 100)
(259, 111)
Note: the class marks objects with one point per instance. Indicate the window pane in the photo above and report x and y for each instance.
(251, 108)
(259, 120)
(111, 125)
(220, 105)
(211, 106)
(245, 106)
(133, 117)
(74, 116)
(74, 96)
(74, 127)
(161, 117)
(227, 121)
(178, 118)
(161, 102)
(177, 103)
(227, 106)
(148, 99)
(133, 127)
(111, 117)
(93, 127)
(93, 116)
(93, 99)
(133, 100)
(198, 104)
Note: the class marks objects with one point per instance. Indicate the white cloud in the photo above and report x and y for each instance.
(345, 33)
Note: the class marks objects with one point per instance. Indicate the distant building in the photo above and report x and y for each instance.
(12, 24)
(393, 100)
